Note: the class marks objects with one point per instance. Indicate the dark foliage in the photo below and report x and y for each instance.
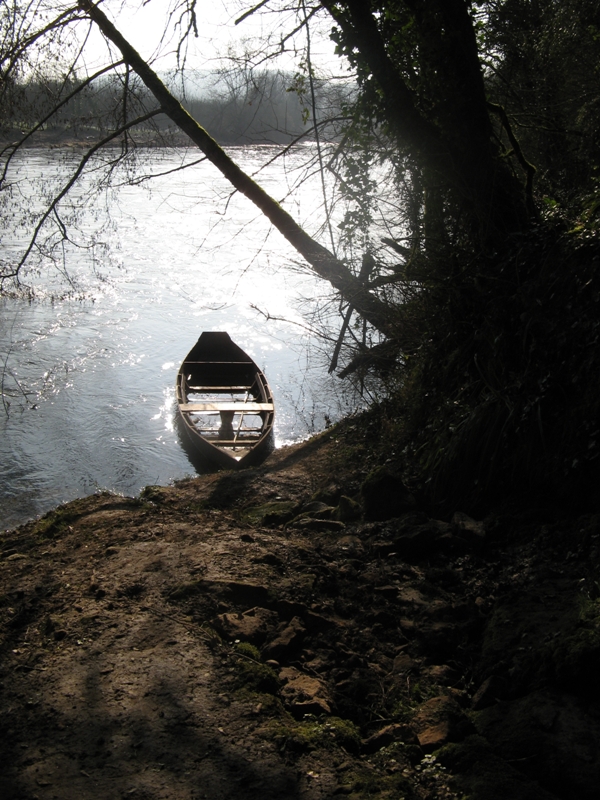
(498, 377)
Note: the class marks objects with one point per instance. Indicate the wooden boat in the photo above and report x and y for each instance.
(225, 403)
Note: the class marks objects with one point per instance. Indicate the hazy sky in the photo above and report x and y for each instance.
(144, 23)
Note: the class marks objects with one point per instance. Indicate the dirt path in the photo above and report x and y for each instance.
(228, 637)
(118, 694)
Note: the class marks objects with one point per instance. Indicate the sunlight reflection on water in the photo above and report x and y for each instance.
(90, 382)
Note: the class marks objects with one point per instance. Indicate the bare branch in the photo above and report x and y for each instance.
(251, 11)
(62, 20)
(71, 182)
(144, 178)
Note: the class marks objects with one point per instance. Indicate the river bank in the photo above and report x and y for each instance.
(305, 629)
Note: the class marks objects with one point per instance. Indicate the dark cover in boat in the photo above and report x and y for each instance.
(217, 346)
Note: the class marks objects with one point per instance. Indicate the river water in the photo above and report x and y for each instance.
(88, 375)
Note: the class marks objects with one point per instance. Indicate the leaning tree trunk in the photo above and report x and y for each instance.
(324, 263)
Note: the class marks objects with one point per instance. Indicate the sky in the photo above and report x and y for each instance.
(143, 24)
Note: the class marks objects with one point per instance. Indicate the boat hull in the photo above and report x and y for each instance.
(225, 404)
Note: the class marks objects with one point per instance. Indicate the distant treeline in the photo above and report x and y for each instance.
(270, 107)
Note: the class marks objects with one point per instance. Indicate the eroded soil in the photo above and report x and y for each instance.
(252, 635)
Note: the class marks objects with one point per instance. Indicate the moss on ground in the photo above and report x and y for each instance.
(250, 673)
(313, 733)
(270, 514)
(57, 521)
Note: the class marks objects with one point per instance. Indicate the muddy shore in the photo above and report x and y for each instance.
(305, 629)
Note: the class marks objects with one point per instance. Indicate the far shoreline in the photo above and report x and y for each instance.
(53, 139)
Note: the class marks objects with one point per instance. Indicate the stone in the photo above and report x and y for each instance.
(350, 545)
(465, 524)
(403, 663)
(288, 639)
(278, 513)
(317, 509)
(441, 720)
(385, 496)
(304, 694)
(252, 626)
(384, 737)
(442, 673)
(490, 692)
(382, 547)
(328, 494)
(347, 509)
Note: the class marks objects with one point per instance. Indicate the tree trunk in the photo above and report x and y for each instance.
(447, 127)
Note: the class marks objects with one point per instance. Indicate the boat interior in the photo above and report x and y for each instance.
(228, 404)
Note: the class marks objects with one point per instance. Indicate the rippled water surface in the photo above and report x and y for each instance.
(88, 383)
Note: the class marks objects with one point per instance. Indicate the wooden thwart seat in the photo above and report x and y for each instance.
(232, 443)
(212, 407)
(218, 388)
